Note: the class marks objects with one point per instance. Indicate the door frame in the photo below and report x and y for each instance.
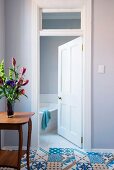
(35, 85)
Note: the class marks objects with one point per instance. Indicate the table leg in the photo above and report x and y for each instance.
(29, 142)
(20, 146)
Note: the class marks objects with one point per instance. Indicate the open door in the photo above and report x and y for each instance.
(70, 84)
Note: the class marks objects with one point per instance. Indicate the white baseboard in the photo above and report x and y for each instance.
(34, 148)
(16, 148)
(103, 150)
(13, 148)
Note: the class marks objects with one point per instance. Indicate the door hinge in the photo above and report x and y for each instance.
(82, 47)
(81, 139)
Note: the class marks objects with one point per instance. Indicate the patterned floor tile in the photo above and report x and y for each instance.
(54, 158)
(24, 160)
(107, 157)
(41, 158)
(67, 159)
(41, 152)
(39, 165)
(110, 165)
(79, 155)
(41, 155)
(84, 159)
(99, 167)
(73, 167)
(80, 152)
(54, 166)
(56, 151)
(83, 166)
(67, 151)
(69, 165)
(95, 157)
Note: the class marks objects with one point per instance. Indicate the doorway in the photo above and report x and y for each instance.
(86, 32)
(52, 135)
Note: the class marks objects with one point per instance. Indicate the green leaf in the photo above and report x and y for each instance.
(11, 73)
(1, 92)
(1, 96)
(1, 87)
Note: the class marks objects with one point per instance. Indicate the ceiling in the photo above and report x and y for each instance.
(65, 4)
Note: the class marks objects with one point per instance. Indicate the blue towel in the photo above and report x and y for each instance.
(45, 119)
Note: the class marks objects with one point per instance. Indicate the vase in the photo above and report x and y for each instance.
(10, 109)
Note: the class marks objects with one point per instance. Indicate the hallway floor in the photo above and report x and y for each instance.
(53, 140)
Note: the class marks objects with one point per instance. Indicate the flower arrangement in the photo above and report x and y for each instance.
(11, 85)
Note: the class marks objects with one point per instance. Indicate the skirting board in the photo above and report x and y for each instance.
(92, 150)
(103, 150)
(16, 148)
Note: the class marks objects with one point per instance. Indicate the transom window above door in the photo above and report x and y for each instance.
(61, 20)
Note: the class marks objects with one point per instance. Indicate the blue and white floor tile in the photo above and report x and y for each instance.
(67, 159)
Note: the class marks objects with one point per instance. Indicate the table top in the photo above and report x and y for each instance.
(18, 118)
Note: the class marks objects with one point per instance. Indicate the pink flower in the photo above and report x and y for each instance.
(26, 82)
(20, 82)
(23, 70)
(13, 62)
(22, 91)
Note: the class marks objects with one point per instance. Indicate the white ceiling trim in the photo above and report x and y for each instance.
(65, 4)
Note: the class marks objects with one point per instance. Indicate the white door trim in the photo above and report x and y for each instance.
(60, 10)
(61, 32)
(88, 58)
(87, 91)
(35, 63)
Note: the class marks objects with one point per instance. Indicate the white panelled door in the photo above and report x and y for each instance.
(70, 83)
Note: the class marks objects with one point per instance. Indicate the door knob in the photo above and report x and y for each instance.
(59, 98)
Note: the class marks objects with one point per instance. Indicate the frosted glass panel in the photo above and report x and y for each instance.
(63, 20)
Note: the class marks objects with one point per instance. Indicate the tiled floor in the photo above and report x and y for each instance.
(56, 153)
(69, 159)
(53, 140)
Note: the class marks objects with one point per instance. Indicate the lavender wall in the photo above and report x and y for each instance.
(18, 38)
(2, 47)
(103, 84)
(17, 44)
(2, 41)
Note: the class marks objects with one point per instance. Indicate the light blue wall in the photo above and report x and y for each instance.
(49, 63)
(103, 84)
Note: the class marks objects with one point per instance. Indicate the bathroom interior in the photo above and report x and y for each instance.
(49, 75)
(49, 90)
